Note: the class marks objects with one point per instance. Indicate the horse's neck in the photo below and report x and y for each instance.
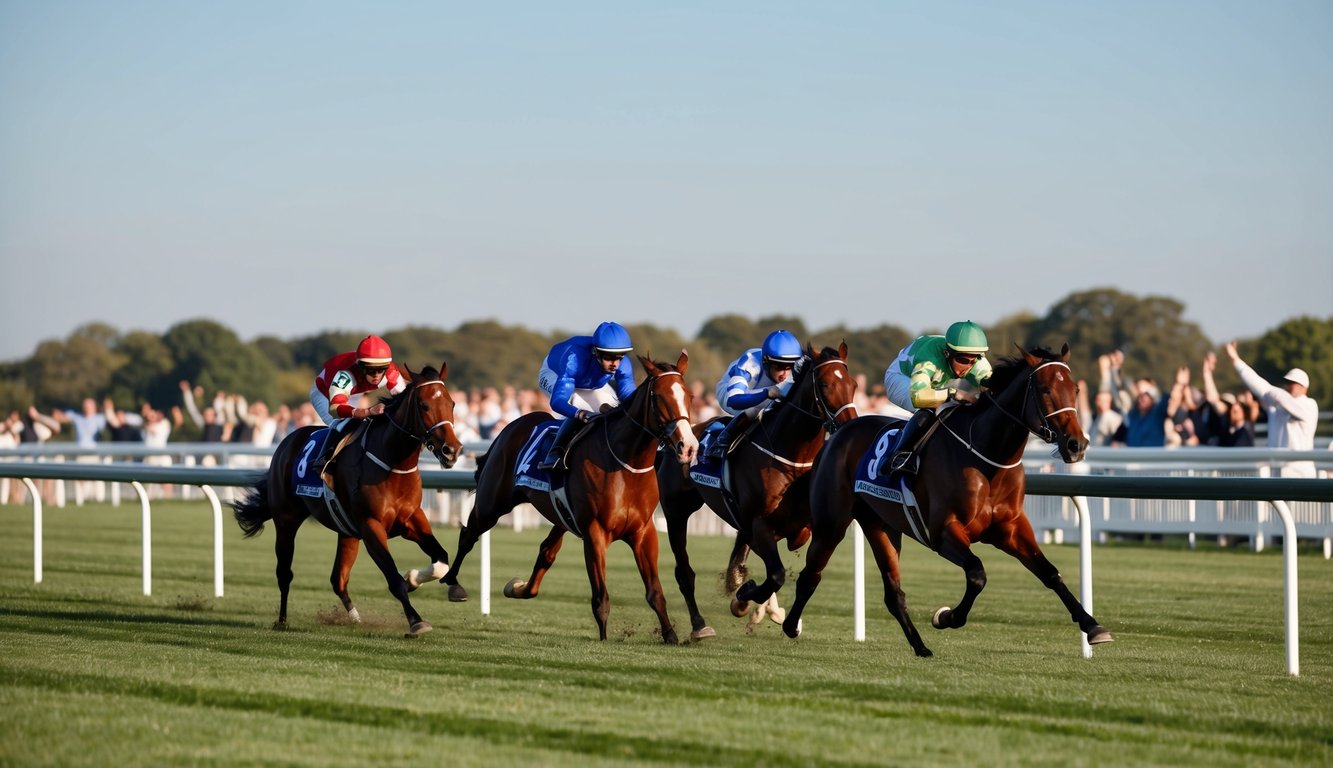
(628, 437)
(994, 431)
(394, 445)
(794, 426)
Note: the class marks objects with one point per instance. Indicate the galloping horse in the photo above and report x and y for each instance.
(768, 474)
(970, 489)
(611, 488)
(377, 489)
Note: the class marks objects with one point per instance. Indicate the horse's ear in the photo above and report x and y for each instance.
(647, 362)
(1032, 360)
(809, 349)
(407, 373)
(444, 370)
(1064, 353)
(683, 362)
(842, 349)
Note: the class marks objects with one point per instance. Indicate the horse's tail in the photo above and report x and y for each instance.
(253, 511)
(481, 462)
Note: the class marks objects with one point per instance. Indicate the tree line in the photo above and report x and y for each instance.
(134, 367)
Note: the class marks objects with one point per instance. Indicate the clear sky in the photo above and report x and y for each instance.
(289, 167)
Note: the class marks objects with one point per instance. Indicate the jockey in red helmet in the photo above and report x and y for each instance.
(346, 375)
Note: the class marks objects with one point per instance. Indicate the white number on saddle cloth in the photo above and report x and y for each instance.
(304, 463)
(881, 448)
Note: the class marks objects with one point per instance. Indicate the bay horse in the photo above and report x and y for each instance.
(377, 485)
(969, 489)
(611, 487)
(769, 500)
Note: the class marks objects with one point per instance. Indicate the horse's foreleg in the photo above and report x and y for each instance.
(885, 546)
(594, 556)
(486, 512)
(376, 540)
(737, 573)
(546, 553)
(956, 548)
(644, 545)
(416, 528)
(1022, 544)
(343, 559)
(763, 544)
(677, 524)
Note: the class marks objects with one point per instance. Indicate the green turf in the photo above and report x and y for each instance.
(95, 673)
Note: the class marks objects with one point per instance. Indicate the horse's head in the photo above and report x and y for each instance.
(668, 406)
(1049, 403)
(831, 385)
(428, 415)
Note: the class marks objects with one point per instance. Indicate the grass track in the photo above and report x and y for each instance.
(94, 673)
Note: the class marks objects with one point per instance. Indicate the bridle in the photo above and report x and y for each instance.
(428, 436)
(662, 436)
(828, 416)
(1044, 431)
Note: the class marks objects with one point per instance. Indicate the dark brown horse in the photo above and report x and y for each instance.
(377, 483)
(969, 489)
(768, 474)
(611, 487)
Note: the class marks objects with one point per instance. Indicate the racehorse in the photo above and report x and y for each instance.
(969, 489)
(767, 500)
(377, 489)
(611, 487)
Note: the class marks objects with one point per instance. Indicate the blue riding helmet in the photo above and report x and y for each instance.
(611, 337)
(782, 347)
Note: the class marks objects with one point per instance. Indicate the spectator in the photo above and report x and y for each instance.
(1146, 421)
(88, 423)
(1238, 432)
(1292, 414)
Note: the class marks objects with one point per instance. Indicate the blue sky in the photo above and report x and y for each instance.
(285, 168)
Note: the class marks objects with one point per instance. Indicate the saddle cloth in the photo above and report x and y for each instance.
(897, 489)
(307, 482)
(528, 475)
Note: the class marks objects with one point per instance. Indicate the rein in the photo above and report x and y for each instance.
(663, 437)
(1045, 432)
(422, 439)
(830, 419)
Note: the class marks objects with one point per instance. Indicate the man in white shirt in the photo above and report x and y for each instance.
(1292, 414)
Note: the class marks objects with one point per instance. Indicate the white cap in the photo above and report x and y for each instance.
(1298, 376)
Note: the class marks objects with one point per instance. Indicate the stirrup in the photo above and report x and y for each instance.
(904, 461)
(553, 461)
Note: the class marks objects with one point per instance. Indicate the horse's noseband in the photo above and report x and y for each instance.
(1044, 431)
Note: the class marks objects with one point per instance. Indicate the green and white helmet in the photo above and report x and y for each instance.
(966, 336)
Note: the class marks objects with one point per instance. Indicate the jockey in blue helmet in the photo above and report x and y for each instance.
(756, 377)
(585, 375)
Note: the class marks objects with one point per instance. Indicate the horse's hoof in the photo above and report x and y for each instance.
(457, 594)
(670, 639)
(923, 652)
(413, 579)
(354, 616)
(941, 618)
(1099, 635)
(776, 613)
(514, 585)
(418, 629)
(791, 628)
(703, 634)
(739, 608)
(747, 590)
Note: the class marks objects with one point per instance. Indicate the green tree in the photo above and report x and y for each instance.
(729, 335)
(209, 354)
(63, 373)
(276, 351)
(1301, 342)
(869, 351)
(144, 373)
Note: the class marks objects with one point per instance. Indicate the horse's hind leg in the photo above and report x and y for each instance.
(737, 574)
(376, 540)
(644, 545)
(485, 514)
(550, 547)
(284, 547)
(343, 560)
(1022, 544)
(677, 525)
(594, 556)
(827, 529)
(885, 546)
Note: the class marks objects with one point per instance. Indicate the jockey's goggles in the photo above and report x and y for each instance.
(966, 358)
(609, 356)
(373, 370)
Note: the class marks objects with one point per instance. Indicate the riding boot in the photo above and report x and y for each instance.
(330, 443)
(717, 450)
(554, 457)
(905, 459)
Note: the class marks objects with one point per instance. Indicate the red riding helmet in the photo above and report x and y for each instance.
(373, 351)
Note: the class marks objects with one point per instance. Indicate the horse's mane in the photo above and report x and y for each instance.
(1007, 369)
(425, 374)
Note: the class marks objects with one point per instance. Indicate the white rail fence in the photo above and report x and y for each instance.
(1058, 502)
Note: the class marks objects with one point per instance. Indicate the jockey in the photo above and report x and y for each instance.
(367, 369)
(584, 376)
(931, 374)
(757, 376)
